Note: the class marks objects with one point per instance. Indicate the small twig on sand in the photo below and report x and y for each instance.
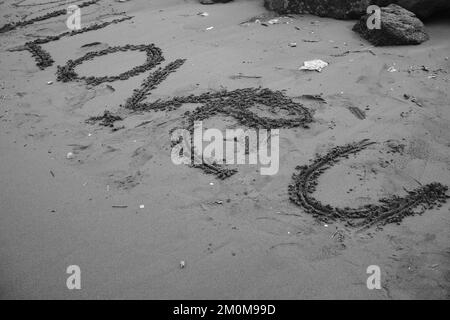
(353, 51)
(357, 112)
(242, 76)
(316, 97)
(143, 123)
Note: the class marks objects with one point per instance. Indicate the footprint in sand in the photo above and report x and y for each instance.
(27, 118)
(140, 157)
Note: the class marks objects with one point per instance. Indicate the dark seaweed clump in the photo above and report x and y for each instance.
(391, 210)
(106, 120)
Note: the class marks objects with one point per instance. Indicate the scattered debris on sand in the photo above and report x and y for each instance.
(400, 24)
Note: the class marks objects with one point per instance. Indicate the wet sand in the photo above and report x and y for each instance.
(254, 243)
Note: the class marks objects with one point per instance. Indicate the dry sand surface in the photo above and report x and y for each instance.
(241, 238)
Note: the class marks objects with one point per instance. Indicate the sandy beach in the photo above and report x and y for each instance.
(121, 210)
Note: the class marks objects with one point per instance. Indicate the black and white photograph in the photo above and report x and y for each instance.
(224, 150)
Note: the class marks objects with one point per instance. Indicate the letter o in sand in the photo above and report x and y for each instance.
(67, 72)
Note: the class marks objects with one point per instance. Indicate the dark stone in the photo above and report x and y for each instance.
(343, 9)
(421, 8)
(398, 27)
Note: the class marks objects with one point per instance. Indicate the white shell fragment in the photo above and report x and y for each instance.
(314, 65)
(392, 69)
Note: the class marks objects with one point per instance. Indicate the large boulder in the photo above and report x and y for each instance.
(398, 27)
(342, 9)
(421, 8)
(353, 9)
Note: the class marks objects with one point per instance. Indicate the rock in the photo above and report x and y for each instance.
(421, 8)
(353, 9)
(214, 1)
(343, 9)
(398, 27)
